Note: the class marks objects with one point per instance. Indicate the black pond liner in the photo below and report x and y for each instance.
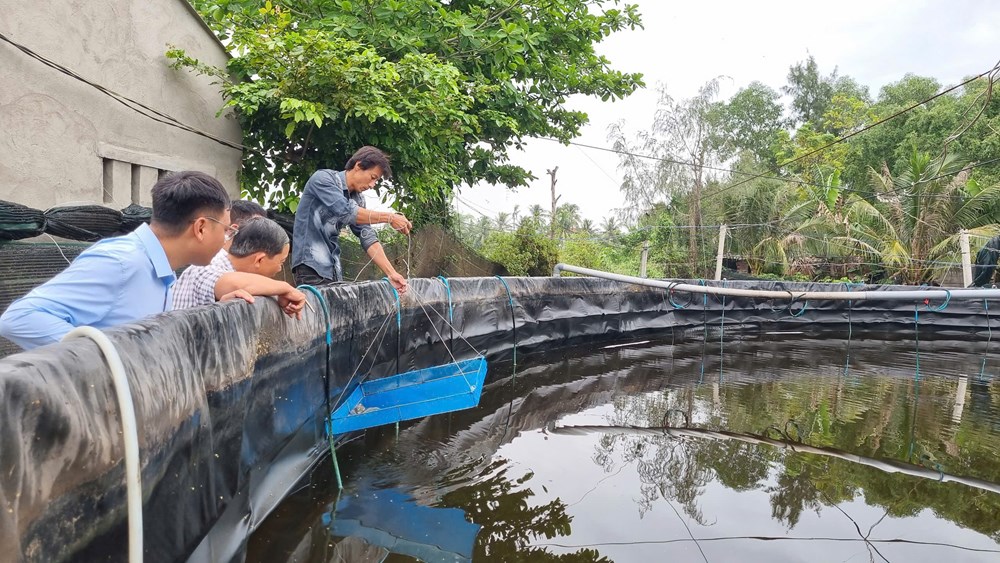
(230, 399)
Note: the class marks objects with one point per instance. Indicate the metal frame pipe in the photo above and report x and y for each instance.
(856, 295)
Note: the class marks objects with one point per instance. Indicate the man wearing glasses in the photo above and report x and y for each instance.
(242, 270)
(123, 279)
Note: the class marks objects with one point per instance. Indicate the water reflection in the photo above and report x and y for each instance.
(773, 451)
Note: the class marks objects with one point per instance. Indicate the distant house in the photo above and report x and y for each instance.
(62, 140)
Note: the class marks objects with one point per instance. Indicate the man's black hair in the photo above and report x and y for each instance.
(243, 210)
(369, 157)
(182, 197)
(259, 234)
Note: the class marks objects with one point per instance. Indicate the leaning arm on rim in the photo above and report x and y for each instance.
(290, 299)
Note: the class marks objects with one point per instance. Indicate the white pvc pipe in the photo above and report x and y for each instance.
(133, 476)
(937, 295)
(888, 466)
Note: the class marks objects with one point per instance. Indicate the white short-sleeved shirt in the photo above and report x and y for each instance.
(196, 286)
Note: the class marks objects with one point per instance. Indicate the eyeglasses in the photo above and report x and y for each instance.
(231, 230)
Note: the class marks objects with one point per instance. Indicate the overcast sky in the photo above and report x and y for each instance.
(685, 44)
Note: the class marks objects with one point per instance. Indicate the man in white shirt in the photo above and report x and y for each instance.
(245, 270)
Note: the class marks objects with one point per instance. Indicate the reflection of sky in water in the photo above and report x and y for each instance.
(605, 510)
(640, 497)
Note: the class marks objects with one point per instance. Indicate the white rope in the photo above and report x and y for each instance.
(451, 326)
(446, 347)
(55, 242)
(365, 355)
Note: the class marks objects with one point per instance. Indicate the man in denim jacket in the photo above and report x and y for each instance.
(332, 200)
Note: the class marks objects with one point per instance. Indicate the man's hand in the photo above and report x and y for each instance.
(292, 303)
(398, 281)
(238, 294)
(399, 222)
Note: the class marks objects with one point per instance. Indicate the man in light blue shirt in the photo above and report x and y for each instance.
(124, 279)
(333, 200)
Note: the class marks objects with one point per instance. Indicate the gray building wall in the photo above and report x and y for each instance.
(63, 141)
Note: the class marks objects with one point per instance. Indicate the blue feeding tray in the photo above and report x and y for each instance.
(410, 395)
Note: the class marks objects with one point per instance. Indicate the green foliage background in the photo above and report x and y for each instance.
(448, 89)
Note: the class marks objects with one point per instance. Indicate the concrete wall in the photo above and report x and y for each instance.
(63, 141)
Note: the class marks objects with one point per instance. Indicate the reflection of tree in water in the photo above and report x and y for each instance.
(502, 506)
(877, 417)
(667, 469)
(794, 493)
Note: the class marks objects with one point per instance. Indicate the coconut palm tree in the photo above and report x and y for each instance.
(913, 227)
(791, 225)
(771, 212)
(481, 231)
(609, 226)
(503, 221)
(536, 218)
(567, 219)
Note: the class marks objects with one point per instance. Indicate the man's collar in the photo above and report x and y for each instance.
(155, 252)
(343, 178)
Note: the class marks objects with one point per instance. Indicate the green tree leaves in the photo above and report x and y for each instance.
(446, 88)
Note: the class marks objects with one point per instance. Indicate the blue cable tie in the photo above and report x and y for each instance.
(326, 309)
(451, 309)
(399, 315)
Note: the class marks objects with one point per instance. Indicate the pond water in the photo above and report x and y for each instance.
(773, 447)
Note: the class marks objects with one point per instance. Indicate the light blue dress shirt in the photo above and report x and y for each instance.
(115, 281)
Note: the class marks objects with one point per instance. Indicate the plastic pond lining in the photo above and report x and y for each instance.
(231, 399)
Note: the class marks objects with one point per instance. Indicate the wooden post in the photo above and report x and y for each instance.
(555, 200)
(963, 242)
(722, 249)
(643, 258)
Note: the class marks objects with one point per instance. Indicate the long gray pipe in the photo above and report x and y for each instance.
(937, 295)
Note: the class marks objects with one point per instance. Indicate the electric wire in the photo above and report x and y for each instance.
(130, 103)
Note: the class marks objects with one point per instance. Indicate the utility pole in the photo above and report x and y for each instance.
(555, 200)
